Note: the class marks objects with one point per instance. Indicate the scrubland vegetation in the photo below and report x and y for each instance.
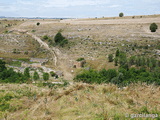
(121, 74)
(131, 70)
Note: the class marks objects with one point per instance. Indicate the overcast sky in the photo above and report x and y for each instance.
(77, 8)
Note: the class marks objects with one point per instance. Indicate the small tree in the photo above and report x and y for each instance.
(45, 76)
(38, 23)
(110, 58)
(58, 38)
(121, 14)
(117, 52)
(116, 61)
(52, 73)
(2, 66)
(26, 73)
(153, 27)
(35, 76)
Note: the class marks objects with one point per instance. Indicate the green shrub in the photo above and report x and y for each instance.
(45, 37)
(121, 14)
(38, 23)
(60, 39)
(36, 76)
(80, 59)
(33, 31)
(116, 61)
(110, 57)
(45, 76)
(26, 73)
(153, 27)
(4, 106)
(52, 73)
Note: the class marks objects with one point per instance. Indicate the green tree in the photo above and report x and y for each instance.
(110, 57)
(117, 52)
(58, 38)
(121, 14)
(153, 27)
(45, 76)
(26, 73)
(38, 23)
(2, 66)
(122, 59)
(116, 61)
(36, 76)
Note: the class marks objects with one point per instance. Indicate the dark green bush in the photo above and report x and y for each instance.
(45, 76)
(10, 76)
(110, 57)
(38, 23)
(45, 37)
(121, 14)
(153, 27)
(60, 39)
(80, 59)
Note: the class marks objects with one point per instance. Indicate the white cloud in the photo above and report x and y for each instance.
(67, 3)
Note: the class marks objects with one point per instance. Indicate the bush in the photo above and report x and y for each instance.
(110, 58)
(45, 37)
(64, 42)
(117, 52)
(153, 27)
(52, 73)
(121, 14)
(38, 23)
(80, 59)
(45, 76)
(36, 76)
(26, 73)
(116, 61)
(60, 39)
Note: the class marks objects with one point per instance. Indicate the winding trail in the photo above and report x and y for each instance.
(60, 60)
(45, 45)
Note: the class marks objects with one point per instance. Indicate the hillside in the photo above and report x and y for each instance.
(92, 39)
(118, 59)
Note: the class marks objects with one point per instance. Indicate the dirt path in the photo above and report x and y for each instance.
(45, 45)
(60, 60)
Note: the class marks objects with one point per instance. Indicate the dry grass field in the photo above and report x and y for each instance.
(78, 102)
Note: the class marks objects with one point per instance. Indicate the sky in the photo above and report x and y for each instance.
(77, 8)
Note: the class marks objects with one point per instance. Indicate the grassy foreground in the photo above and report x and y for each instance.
(77, 102)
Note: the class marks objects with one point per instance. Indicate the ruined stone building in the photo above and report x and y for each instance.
(79, 64)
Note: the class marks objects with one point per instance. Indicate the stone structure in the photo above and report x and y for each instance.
(79, 64)
(59, 73)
